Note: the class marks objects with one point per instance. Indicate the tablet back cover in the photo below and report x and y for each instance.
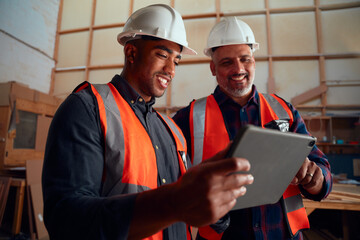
(275, 158)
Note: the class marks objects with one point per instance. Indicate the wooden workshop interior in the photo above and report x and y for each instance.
(309, 55)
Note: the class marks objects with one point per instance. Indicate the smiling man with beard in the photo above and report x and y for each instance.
(210, 123)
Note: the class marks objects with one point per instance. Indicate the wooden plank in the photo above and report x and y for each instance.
(19, 203)
(75, 30)
(35, 107)
(342, 197)
(310, 94)
(30, 214)
(329, 106)
(5, 183)
(292, 9)
(91, 36)
(37, 202)
(333, 204)
(18, 157)
(33, 180)
(42, 128)
(33, 171)
(339, 6)
(105, 26)
(218, 10)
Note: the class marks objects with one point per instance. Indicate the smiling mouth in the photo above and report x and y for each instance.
(164, 81)
(238, 77)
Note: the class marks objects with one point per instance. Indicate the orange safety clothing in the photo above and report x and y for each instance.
(126, 168)
(209, 135)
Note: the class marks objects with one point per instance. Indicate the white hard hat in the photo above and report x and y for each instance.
(230, 31)
(158, 20)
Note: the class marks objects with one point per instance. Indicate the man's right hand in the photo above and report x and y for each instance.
(204, 194)
(208, 191)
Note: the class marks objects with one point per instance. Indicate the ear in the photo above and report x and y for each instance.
(212, 68)
(130, 51)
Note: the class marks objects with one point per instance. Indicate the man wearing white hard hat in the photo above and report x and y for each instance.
(114, 167)
(234, 104)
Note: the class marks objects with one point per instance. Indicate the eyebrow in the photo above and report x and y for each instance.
(162, 47)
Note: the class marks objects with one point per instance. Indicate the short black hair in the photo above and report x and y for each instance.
(152, 38)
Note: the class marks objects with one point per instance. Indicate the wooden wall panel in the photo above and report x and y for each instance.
(103, 75)
(323, 2)
(341, 30)
(293, 33)
(258, 25)
(296, 39)
(191, 82)
(345, 95)
(73, 49)
(295, 77)
(109, 11)
(261, 75)
(143, 3)
(234, 6)
(197, 31)
(106, 49)
(290, 4)
(197, 7)
(65, 82)
(76, 14)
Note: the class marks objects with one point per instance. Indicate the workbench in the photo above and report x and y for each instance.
(342, 197)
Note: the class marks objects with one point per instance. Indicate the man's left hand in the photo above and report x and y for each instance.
(310, 177)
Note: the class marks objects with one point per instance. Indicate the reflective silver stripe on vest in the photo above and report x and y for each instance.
(114, 148)
(276, 106)
(174, 129)
(293, 203)
(199, 129)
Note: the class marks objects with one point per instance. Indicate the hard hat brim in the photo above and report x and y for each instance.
(207, 51)
(124, 37)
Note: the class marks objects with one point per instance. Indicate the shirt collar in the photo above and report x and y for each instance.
(129, 93)
(222, 98)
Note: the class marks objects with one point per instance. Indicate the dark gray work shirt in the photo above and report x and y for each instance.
(73, 167)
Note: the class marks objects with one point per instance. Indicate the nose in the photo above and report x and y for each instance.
(239, 66)
(169, 68)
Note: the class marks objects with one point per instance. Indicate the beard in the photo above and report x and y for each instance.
(239, 92)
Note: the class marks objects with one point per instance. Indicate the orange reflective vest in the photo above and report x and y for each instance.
(209, 135)
(130, 160)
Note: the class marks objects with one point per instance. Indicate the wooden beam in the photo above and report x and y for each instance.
(91, 36)
(306, 96)
(271, 86)
(332, 107)
(131, 7)
(105, 26)
(339, 6)
(58, 27)
(196, 16)
(292, 10)
(243, 13)
(75, 30)
(218, 10)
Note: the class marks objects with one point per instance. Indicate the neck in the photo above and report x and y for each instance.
(131, 79)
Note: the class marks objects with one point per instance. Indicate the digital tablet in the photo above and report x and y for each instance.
(275, 158)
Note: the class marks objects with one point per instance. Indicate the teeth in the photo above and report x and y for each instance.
(163, 80)
(239, 78)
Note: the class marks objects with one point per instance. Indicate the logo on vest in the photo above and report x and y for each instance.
(281, 125)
